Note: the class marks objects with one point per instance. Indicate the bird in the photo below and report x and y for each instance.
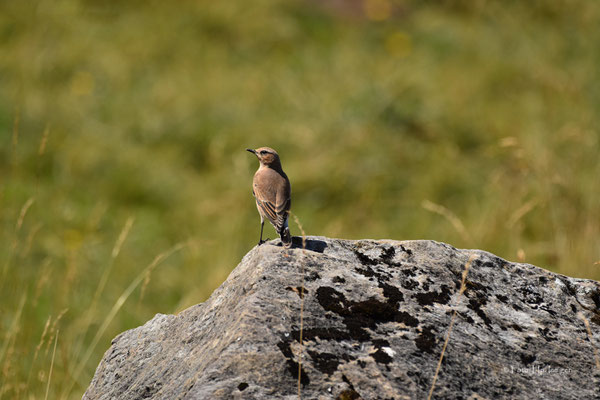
(272, 191)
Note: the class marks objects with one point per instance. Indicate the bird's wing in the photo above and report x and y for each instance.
(283, 204)
(266, 203)
(274, 202)
(282, 214)
(267, 210)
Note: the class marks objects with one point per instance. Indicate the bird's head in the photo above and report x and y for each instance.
(266, 156)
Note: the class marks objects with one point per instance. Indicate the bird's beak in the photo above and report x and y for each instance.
(251, 151)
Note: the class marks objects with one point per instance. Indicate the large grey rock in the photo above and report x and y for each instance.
(376, 314)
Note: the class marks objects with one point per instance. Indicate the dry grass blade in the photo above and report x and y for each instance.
(301, 304)
(15, 135)
(41, 343)
(14, 328)
(113, 256)
(44, 141)
(15, 240)
(143, 288)
(521, 212)
(23, 212)
(462, 289)
(51, 366)
(301, 229)
(54, 329)
(590, 338)
(29, 241)
(450, 216)
(37, 350)
(41, 151)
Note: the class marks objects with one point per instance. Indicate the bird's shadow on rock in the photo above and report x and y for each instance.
(317, 246)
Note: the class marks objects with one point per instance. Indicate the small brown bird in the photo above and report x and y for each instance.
(272, 191)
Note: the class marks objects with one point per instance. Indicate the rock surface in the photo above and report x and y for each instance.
(375, 318)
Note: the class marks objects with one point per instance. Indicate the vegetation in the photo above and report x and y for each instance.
(125, 187)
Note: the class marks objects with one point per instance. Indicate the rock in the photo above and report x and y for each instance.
(374, 321)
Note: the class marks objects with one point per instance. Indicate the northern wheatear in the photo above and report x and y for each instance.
(272, 191)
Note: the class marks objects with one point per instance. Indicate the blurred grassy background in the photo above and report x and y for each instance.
(123, 127)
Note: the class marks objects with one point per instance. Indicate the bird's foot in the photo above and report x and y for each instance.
(263, 241)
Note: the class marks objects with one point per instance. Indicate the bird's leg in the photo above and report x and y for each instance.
(262, 225)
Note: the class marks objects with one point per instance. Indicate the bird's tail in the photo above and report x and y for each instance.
(286, 237)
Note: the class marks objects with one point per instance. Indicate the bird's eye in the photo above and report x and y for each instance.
(263, 152)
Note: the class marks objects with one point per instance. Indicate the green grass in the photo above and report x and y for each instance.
(475, 124)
